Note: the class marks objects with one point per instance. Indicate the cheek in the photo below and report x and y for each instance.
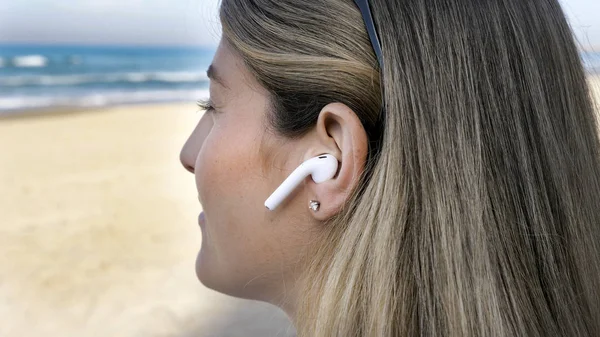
(230, 185)
(226, 167)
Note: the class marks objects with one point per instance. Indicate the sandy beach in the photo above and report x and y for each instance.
(99, 234)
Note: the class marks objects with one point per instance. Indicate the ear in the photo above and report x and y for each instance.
(339, 132)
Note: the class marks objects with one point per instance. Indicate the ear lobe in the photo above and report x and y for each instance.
(340, 132)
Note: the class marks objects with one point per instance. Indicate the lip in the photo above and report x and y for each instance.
(201, 218)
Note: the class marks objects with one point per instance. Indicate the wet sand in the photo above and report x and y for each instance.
(99, 234)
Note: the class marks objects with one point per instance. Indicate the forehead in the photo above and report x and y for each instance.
(223, 68)
(227, 70)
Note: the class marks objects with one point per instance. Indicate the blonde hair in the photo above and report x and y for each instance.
(480, 212)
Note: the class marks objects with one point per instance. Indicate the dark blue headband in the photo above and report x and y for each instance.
(368, 19)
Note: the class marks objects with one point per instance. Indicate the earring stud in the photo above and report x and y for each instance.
(314, 205)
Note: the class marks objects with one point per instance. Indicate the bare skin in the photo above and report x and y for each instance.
(248, 251)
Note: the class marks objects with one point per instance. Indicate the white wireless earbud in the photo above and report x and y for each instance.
(321, 168)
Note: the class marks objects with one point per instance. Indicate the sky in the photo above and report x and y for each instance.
(113, 22)
(171, 22)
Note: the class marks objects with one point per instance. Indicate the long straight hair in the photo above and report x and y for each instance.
(481, 214)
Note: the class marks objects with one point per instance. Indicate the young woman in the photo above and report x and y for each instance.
(466, 200)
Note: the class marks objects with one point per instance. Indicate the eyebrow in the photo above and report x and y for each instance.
(213, 74)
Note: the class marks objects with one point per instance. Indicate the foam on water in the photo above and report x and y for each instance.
(9, 105)
(30, 61)
(132, 77)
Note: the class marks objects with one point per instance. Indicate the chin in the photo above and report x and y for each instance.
(206, 273)
(211, 276)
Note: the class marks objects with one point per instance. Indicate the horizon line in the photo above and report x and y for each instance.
(105, 44)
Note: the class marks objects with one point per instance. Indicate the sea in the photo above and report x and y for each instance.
(34, 77)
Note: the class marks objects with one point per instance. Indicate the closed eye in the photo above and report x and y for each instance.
(206, 105)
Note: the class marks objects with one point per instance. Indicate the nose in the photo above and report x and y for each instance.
(194, 143)
(188, 167)
(185, 158)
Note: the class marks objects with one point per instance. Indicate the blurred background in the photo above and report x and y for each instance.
(98, 219)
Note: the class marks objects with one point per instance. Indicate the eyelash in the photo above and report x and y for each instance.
(206, 105)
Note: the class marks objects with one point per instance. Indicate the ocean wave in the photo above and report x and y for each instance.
(180, 77)
(24, 103)
(131, 77)
(30, 61)
(1, 62)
